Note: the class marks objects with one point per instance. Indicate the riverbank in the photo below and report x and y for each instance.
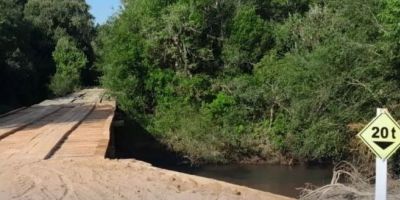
(132, 141)
(348, 183)
(112, 179)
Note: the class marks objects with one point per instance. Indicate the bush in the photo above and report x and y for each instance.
(328, 79)
(250, 37)
(70, 61)
(230, 80)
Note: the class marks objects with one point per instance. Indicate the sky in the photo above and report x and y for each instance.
(102, 9)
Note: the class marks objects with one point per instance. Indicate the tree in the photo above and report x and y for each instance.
(250, 37)
(29, 32)
(70, 61)
(18, 74)
(58, 18)
(225, 80)
(121, 61)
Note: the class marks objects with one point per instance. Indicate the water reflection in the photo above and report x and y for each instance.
(272, 178)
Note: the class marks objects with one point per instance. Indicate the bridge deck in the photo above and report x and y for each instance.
(74, 126)
(91, 137)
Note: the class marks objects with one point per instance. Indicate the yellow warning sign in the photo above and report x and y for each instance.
(382, 135)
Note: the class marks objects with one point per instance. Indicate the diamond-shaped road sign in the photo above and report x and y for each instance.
(382, 135)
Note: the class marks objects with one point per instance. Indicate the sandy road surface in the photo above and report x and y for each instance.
(95, 179)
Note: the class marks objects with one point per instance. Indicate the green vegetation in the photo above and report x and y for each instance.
(224, 81)
(216, 80)
(29, 33)
(70, 61)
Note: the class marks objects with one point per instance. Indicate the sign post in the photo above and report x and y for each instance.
(382, 136)
(380, 172)
(380, 179)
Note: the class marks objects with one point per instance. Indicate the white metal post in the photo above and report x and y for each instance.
(380, 173)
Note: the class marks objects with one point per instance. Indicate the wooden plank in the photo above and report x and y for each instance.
(101, 149)
(91, 137)
(12, 112)
(43, 146)
(16, 142)
(10, 126)
(70, 127)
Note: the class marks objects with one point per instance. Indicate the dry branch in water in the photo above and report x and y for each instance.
(348, 183)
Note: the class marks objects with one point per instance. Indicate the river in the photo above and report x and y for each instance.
(284, 180)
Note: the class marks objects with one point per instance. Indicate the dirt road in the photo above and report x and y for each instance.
(94, 179)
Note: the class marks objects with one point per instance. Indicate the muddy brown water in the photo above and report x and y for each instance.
(284, 180)
(129, 140)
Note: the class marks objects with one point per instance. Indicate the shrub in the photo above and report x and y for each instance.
(70, 61)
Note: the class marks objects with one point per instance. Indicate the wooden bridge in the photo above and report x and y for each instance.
(54, 150)
(74, 126)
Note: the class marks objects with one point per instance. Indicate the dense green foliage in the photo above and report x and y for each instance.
(216, 80)
(225, 80)
(29, 32)
(70, 61)
(17, 73)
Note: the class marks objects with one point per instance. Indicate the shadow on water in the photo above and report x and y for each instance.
(133, 141)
